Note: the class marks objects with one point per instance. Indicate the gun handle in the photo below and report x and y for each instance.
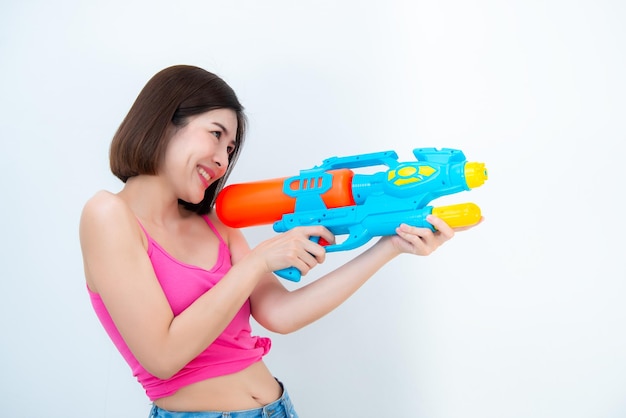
(292, 273)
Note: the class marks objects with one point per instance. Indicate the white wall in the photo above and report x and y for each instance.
(521, 317)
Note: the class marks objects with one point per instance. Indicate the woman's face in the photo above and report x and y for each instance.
(197, 153)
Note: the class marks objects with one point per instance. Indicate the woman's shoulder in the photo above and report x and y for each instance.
(106, 210)
(102, 196)
(105, 204)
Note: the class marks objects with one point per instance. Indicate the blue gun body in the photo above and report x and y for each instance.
(383, 200)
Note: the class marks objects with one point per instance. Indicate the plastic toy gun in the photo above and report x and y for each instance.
(360, 206)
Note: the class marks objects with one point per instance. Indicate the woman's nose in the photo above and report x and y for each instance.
(221, 158)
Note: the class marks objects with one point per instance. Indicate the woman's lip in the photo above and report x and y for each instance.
(210, 172)
(206, 175)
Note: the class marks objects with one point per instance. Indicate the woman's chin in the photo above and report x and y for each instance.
(193, 200)
(196, 201)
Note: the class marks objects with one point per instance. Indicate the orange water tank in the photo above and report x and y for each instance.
(264, 202)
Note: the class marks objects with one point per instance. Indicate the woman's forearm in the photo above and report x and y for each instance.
(309, 303)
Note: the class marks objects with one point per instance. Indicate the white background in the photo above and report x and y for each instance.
(521, 317)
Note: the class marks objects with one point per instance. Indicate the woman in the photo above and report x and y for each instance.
(174, 287)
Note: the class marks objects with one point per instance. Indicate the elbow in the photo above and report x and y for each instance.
(280, 326)
(163, 370)
(278, 317)
(280, 330)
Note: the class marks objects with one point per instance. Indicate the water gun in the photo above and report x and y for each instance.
(359, 206)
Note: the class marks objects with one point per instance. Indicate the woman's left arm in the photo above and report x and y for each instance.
(283, 311)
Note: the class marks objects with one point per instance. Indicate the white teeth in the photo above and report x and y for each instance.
(204, 174)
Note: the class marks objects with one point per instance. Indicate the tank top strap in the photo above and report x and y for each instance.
(213, 228)
(147, 235)
(142, 227)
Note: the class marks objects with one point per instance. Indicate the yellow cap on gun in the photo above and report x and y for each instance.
(475, 174)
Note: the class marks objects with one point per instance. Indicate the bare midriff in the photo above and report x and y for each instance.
(250, 388)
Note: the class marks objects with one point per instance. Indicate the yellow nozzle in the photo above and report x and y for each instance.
(475, 174)
(462, 214)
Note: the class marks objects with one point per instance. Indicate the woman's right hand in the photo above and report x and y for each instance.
(294, 248)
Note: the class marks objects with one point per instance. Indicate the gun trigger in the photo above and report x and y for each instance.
(323, 242)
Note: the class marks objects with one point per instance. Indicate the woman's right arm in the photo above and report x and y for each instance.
(118, 268)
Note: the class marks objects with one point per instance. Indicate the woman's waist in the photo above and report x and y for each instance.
(250, 388)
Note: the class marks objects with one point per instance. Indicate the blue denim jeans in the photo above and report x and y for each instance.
(281, 408)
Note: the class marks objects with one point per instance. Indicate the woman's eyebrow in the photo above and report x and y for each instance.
(222, 127)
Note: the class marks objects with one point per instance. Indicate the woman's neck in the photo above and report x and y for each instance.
(151, 201)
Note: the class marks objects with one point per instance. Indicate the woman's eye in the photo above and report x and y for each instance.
(230, 149)
(217, 134)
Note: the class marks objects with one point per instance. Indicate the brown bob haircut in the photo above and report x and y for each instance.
(170, 97)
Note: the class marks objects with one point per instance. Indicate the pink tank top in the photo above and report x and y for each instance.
(234, 350)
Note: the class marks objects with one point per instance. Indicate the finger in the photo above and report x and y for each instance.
(311, 260)
(315, 231)
(413, 233)
(421, 241)
(308, 253)
(305, 262)
(416, 237)
(295, 256)
(315, 250)
(441, 226)
(322, 232)
(303, 237)
(328, 236)
(410, 243)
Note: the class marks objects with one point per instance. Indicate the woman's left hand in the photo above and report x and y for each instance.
(423, 241)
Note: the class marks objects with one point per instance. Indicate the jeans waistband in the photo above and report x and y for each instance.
(282, 407)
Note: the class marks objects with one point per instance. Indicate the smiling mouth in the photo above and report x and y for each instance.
(205, 175)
